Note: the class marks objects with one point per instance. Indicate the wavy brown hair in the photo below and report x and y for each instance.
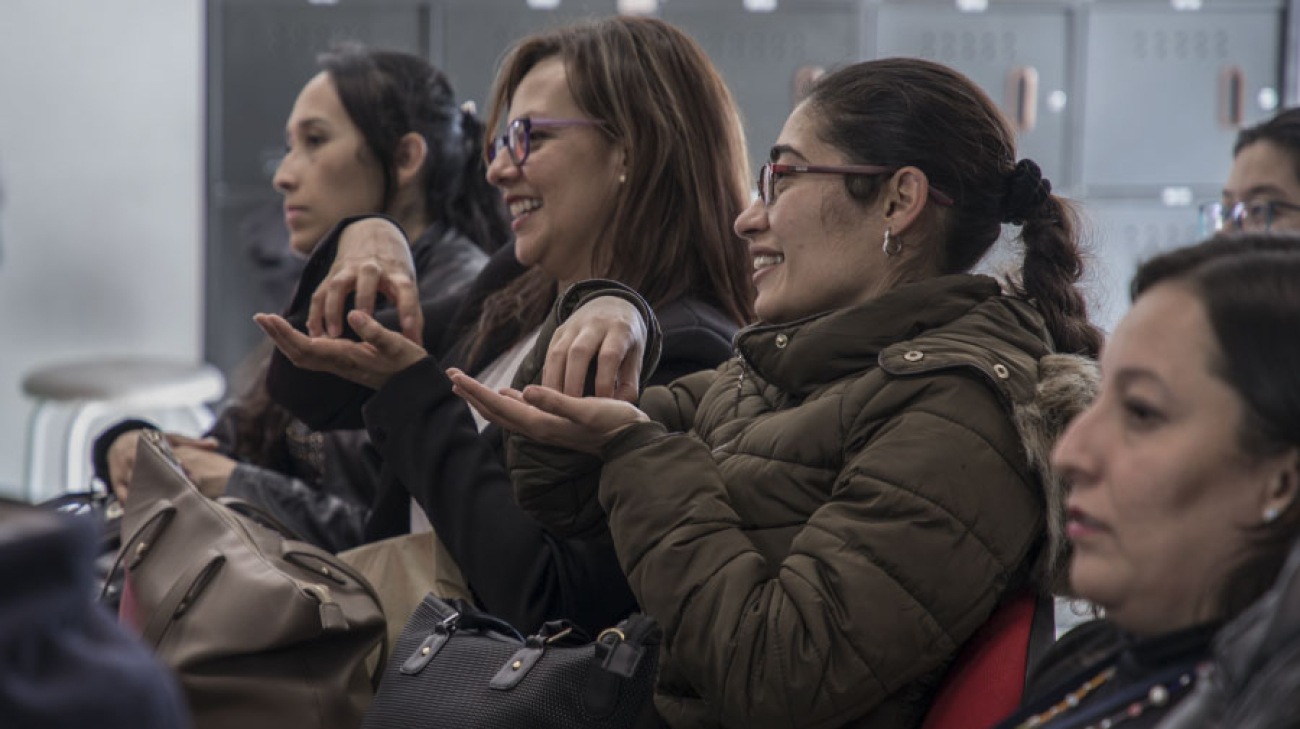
(670, 232)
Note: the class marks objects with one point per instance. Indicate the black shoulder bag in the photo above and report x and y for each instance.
(455, 666)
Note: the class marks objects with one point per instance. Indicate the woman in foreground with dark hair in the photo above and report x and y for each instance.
(373, 131)
(1183, 479)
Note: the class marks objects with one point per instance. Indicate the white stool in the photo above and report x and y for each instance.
(95, 389)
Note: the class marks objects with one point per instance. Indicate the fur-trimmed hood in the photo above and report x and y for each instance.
(1067, 383)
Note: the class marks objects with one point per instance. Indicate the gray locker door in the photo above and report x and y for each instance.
(1016, 53)
(1122, 234)
(759, 54)
(1159, 87)
(260, 54)
(475, 35)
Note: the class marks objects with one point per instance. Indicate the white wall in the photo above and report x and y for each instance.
(101, 144)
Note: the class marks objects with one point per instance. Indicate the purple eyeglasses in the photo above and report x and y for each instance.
(518, 133)
(767, 178)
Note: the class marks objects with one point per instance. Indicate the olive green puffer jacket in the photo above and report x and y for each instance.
(819, 523)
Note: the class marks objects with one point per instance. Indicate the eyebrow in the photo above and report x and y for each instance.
(781, 149)
(1258, 190)
(309, 121)
(1130, 375)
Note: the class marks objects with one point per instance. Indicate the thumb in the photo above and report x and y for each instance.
(371, 331)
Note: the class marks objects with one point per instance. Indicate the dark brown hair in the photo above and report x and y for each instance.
(902, 112)
(670, 231)
(1282, 130)
(1247, 284)
(386, 94)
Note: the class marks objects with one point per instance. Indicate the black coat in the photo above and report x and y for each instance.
(322, 484)
(432, 451)
(1139, 663)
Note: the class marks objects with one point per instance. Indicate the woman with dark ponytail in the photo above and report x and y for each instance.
(374, 131)
(820, 523)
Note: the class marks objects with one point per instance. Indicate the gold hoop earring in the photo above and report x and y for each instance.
(891, 247)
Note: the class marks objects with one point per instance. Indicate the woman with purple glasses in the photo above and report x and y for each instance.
(822, 521)
(601, 180)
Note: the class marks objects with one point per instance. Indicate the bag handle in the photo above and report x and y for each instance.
(180, 595)
(258, 515)
(157, 521)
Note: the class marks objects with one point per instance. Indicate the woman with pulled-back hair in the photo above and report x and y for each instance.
(822, 521)
(373, 132)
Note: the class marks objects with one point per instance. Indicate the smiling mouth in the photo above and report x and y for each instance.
(767, 261)
(520, 208)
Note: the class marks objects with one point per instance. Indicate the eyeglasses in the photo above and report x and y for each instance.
(520, 131)
(768, 174)
(1254, 215)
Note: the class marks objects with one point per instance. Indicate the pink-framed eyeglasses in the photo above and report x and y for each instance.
(767, 178)
(520, 131)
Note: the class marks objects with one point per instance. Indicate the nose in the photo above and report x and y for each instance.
(1075, 457)
(284, 180)
(502, 170)
(752, 220)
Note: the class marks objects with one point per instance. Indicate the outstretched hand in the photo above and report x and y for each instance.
(578, 423)
(381, 354)
(373, 258)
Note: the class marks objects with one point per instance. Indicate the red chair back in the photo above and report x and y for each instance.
(985, 682)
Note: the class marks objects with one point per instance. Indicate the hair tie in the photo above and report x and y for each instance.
(469, 107)
(1026, 193)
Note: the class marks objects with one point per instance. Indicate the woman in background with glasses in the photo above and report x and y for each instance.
(1263, 188)
(822, 521)
(622, 157)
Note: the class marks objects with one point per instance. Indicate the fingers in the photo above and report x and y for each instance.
(288, 340)
(368, 276)
(336, 289)
(581, 353)
(557, 355)
(610, 366)
(628, 388)
(406, 296)
(183, 441)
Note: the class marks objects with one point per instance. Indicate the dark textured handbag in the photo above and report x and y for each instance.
(455, 666)
(262, 630)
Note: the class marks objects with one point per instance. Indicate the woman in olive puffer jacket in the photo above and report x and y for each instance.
(822, 521)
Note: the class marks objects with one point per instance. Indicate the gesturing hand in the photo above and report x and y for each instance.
(578, 423)
(607, 331)
(373, 258)
(381, 354)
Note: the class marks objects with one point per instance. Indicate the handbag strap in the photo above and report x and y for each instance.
(181, 594)
(257, 514)
(157, 521)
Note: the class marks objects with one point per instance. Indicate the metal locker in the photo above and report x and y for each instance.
(760, 55)
(1166, 91)
(1017, 53)
(474, 35)
(1120, 234)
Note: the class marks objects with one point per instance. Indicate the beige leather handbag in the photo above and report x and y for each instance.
(261, 629)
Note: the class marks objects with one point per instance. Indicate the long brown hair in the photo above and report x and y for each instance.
(670, 232)
(902, 112)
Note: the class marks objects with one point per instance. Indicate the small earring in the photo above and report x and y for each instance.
(891, 247)
(622, 177)
(1271, 514)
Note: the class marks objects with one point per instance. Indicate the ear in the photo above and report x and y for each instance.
(411, 153)
(905, 197)
(1283, 484)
